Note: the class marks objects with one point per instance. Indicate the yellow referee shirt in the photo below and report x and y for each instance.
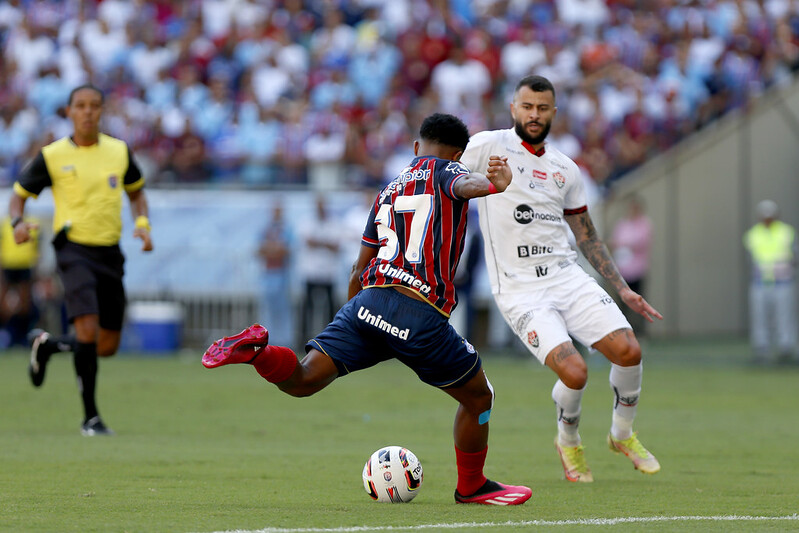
(87, 183)
(15, 256)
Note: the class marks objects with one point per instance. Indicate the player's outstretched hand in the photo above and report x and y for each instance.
(637, 303)
(144, 235)
(499, 172)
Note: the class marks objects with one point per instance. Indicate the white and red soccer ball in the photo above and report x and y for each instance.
(392, 474)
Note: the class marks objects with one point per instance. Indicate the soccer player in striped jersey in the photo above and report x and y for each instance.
(544, 295)
(401, 294)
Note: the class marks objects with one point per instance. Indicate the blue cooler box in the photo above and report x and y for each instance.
(154, 326)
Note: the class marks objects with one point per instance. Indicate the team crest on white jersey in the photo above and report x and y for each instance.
(560, 179)
(532, 338)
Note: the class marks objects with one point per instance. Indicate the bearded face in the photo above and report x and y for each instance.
(533, 112)
(542, 126)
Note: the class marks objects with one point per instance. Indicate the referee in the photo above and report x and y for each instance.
(87, 173)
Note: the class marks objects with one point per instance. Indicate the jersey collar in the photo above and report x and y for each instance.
(76, 145)
(530, 148)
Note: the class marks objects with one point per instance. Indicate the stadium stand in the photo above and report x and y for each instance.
(229, 92)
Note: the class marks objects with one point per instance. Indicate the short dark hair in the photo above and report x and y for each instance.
(538, 84)
(445, 129)
(86, 86)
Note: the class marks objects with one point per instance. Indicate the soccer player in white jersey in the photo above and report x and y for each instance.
(544, 295)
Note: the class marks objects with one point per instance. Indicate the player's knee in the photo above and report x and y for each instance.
(482, 402)
(106, 350)
(630, 354)
(478, 402)
(575, 374)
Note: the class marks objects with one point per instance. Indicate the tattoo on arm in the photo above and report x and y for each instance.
(594, 249)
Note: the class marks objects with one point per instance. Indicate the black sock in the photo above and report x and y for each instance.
(61, 343)
(86, 370)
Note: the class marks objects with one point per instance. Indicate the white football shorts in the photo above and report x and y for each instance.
(571, 303)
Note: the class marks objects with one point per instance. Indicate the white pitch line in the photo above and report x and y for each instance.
(523, 523)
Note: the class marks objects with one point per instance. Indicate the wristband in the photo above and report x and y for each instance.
(142, 222)
(492, 189)
(15, 221)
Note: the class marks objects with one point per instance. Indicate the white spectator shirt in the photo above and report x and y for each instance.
(518, 58)
(461, 86)
(525, 232)
(117, 13)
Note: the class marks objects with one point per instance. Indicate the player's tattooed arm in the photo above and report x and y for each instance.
(598, 255)
(594, 249)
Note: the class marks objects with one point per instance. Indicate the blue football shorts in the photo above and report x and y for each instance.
(379, 324)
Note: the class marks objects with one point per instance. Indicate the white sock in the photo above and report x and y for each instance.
(568, 404)
(625, 381)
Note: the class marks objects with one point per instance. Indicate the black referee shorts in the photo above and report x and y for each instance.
(92, 279)
(12, 276)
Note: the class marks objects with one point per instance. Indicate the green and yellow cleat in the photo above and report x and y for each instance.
(642, 459)
(575, 468)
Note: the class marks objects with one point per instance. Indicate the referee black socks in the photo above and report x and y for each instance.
(86, 370)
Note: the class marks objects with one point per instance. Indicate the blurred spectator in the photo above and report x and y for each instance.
(11, 14)
(772, 293)
(189, 163)
(104, 46)
(325, 151)
(148, 59)
(259, 140)
(317, 264)
(270, 82)
(291, 149)
(461, 84)
(587, 14)
(30, 48)
(18, 262)
(335, 89)
(372, 69)
(332, 43)
(275, 253)
(630, 243)
(523, 55)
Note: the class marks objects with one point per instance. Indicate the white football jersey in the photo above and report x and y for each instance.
(526, 235)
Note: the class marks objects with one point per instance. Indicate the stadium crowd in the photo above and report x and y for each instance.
(326, 93)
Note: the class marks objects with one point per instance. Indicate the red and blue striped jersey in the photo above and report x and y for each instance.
(419, 224)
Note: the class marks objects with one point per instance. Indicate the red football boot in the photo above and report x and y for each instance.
(241, 348)
(493, 493)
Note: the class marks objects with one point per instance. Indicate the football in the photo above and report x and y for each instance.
(392, 474)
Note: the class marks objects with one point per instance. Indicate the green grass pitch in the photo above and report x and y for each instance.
(202, 450)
